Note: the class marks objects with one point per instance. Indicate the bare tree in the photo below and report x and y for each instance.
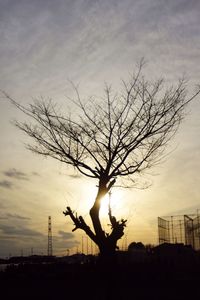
(120, 136)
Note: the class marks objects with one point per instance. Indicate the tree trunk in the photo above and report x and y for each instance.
(107, 256)
(94, 214)
(107, 244)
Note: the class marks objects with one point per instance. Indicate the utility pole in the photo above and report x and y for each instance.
(172, 228)
(87, 244)
(91, 247)
(126, 248)
(49, 248)
(82, 245)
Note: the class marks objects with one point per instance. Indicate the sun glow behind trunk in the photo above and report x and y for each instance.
(114, 199)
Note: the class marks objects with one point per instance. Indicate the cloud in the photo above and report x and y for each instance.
(14, 245)
(6, 184)
(65, 244)
(64, 240)
(2, 206)
(19, 231)
(13, 173)
(65, 235)
(186, 210)
(18, 175)
(16, 216)
(8, 246)
(90, 37)
(35, 173)
(74, 176)
(185, 6)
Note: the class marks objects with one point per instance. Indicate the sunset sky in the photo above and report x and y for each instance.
(44, 45)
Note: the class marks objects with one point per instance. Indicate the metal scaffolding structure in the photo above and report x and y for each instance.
(180, 229)
(49, 247)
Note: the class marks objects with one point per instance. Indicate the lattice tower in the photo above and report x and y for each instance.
(50, 246)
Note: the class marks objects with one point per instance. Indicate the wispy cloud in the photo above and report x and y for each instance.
(74, 176)
(65, 240)
(2, 206)
(83, 38)
(35, 173)
(20, 231)
(65, 235)
(16, 216)
(6, 184)
(187, 210)
(14, 173)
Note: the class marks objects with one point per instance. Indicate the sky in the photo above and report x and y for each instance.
(44, 45)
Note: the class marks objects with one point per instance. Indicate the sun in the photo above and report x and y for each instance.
(114, 199)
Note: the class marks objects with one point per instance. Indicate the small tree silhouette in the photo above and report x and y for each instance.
(119, 137)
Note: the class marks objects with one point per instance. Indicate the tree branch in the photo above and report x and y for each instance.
(79, 223)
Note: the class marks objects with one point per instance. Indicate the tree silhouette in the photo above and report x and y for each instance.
(118, 137)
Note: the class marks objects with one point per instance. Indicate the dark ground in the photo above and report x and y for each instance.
(149, 280)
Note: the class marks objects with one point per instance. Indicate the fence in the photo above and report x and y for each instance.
(180, 229)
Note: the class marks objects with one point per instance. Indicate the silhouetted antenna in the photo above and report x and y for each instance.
(87, 244)
(126, 248)
(172, 225)
(91, 247)
(49, 248)
(82, 245)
